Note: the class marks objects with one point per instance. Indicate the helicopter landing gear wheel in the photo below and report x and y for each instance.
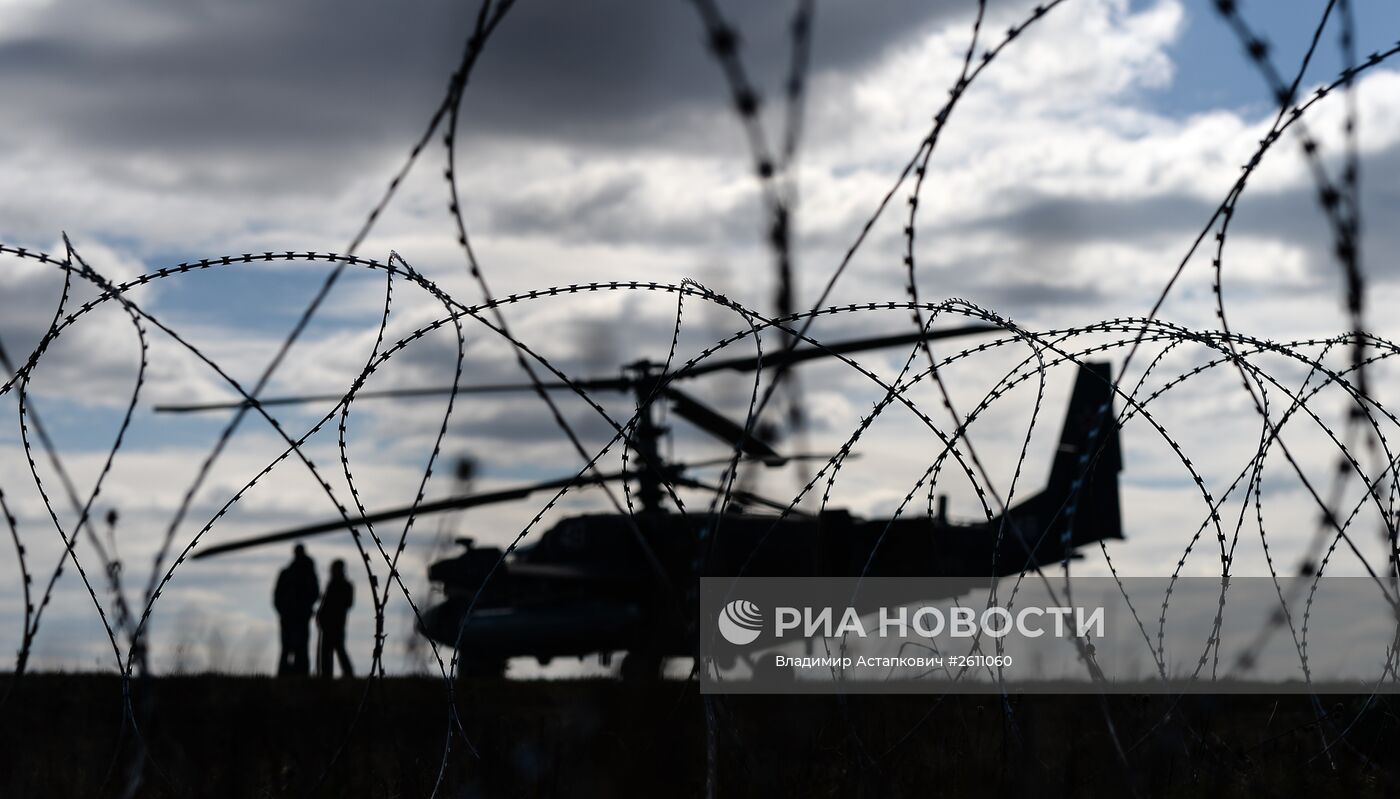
(641, 667)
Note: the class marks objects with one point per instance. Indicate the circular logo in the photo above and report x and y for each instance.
(740, 622)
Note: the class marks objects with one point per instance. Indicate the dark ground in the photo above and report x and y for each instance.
(257, 737)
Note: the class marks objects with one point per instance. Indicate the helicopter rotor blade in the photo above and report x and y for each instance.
(792, 356)
(781, 460)
(742, 364)
(421, 509)
(719, 426)
(449, 504)
(741, 495)
(599, 384)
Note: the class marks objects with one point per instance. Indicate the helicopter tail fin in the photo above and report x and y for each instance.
(1080, 503)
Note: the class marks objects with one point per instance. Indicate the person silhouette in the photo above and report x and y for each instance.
(330, 618)
(294, 597)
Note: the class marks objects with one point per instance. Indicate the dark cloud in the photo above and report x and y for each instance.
(528, 421)
(621, 210)
(1042, 220)
(1017, 292)
(301, 85)
(602, 67)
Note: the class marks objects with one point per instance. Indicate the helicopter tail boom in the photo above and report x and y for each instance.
(1080, 502)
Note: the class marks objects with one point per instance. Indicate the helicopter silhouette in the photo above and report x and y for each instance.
(601, 583)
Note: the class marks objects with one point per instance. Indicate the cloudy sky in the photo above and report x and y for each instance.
(597, 142)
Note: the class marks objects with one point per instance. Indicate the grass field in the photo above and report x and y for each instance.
(60, 735)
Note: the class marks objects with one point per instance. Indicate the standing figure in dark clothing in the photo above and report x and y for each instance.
(294, 597)
(330, 617)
